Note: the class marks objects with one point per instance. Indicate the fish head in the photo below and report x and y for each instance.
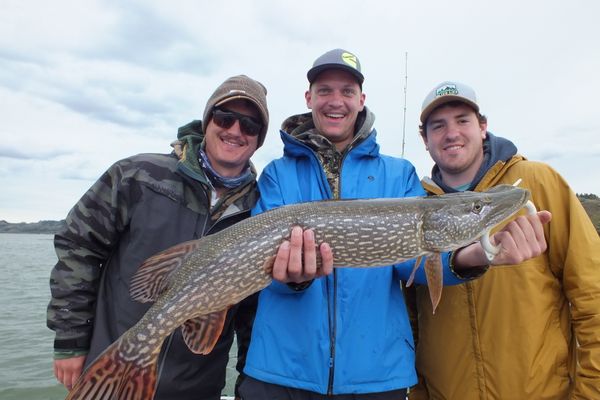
(455, 220)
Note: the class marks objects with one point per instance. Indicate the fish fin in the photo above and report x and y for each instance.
(268, 265)
(201, 333)
(152, 277)
(411, 278)
(112, 377)
(435, 278)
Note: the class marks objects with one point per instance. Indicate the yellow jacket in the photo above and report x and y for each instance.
(530, 331)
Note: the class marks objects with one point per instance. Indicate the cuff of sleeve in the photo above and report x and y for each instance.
(467, 274)
(72, 343)
(62, 354)
(298, 287)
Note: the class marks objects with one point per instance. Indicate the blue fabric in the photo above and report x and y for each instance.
(361, 311)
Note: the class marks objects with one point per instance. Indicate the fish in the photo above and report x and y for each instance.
(193, 284)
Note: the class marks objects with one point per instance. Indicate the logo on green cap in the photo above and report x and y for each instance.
(446, 90)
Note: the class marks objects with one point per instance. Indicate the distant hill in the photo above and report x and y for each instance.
(33, 227)
(590, 202)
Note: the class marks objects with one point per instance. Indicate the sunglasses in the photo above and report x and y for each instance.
(226, 119)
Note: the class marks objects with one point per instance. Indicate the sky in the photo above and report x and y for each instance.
(84, 83)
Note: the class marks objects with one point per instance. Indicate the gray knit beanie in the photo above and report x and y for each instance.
(240, 87)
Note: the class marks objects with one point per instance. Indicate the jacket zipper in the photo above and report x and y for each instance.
(332, 311)
(333, 319)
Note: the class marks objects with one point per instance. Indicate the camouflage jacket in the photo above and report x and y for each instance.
(141, 205)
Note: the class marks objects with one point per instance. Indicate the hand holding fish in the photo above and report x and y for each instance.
(521, 239)
(297, 260)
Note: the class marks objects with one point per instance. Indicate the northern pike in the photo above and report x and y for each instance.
(193, 284)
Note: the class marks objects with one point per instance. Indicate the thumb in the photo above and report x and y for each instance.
(545, 216)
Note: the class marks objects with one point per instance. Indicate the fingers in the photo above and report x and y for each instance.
(326, 259)
(58, 372)
(281, 262)
(310, 256)
(544, 216)
(68, 379)
(294, 268)
(67, 371)
(522, 239)
(296, 259)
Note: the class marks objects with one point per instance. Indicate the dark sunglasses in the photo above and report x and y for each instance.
(226, 119)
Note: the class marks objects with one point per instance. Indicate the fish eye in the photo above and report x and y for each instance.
(477, 207)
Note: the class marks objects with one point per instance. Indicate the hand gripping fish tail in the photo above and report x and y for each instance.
(193, 284)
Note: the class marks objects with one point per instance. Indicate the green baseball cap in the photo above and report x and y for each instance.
(446, 92)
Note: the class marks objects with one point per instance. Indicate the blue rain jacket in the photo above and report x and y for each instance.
(348, 332)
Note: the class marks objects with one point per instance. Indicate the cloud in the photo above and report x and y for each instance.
(83, 84)
(152, 41)
(21, 153)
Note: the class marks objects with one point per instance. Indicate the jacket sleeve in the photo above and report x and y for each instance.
(574, 257)
(83, 247)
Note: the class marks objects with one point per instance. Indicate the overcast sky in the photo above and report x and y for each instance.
(85, 83)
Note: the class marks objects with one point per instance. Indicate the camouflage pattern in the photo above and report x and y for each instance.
(141, 205)
(302, 127)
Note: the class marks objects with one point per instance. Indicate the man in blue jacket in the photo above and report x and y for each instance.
(343, 334)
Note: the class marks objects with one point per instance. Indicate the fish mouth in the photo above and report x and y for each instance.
(489, 249)
(464, 217)
(513, 199)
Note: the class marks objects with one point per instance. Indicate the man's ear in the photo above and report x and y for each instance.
(308, 98)
(425, 141)
(362, 101)
(483, 128)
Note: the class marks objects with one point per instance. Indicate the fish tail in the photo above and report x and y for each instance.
(112, 377)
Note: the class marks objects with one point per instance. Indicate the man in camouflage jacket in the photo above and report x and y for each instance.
(142, 205)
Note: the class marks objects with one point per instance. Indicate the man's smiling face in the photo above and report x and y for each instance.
(335, 99)
(454, 138)
(230, 149)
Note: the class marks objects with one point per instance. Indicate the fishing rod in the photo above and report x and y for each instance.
(405, 89)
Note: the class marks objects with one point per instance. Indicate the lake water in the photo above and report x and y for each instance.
(25, 341)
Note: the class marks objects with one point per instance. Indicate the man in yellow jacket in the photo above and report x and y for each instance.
(530, 331)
